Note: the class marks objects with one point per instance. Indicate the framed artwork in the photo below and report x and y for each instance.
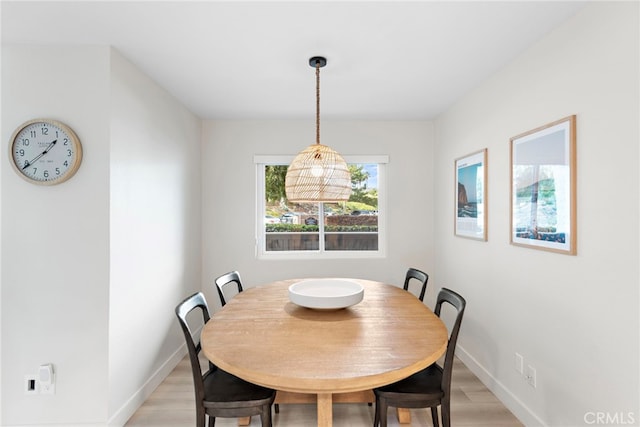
(471, 196)
(543, 187)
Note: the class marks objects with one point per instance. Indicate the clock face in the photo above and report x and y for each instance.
(45, 152)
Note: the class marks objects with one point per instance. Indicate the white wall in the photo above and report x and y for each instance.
(155, 233)
(55, 240)
(92, 268)
(1, 168)
(574, 318)
(229, 188)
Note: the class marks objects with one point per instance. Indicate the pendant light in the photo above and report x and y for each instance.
(318, 173)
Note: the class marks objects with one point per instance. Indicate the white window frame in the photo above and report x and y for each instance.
(261, 161)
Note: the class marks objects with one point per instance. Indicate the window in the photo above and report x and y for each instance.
(321, 230)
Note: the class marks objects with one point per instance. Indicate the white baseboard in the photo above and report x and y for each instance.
(120, 418)
(515, 405)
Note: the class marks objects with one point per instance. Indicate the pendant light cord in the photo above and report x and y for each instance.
(317, 102)
(318, 173)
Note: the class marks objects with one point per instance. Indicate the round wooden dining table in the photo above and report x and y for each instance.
(262, 337)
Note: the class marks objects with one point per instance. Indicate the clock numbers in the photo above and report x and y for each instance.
(45, 151)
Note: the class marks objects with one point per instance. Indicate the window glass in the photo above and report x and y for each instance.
(351, 227)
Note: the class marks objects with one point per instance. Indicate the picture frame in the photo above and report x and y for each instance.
(543, 187)
(471, 196)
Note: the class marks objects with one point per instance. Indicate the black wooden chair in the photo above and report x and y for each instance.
(416, 274)
(228, 279)
(430, 387)
(218, 393)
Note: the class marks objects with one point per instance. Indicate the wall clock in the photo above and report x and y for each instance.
(45, 151)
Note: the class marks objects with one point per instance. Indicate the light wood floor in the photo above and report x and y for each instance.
(472, 404)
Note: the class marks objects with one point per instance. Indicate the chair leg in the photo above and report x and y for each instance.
(446, 413)
(376, 417)
(201, 418)
(265, 416)
(212, 421)
(383, 412)
(277, 406)
(434, 416)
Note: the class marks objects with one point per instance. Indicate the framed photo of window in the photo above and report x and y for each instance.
(471, 196)
(543, 187)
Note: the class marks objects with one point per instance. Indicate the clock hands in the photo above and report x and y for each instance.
(35, 159)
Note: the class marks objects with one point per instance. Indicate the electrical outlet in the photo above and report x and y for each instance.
(30, 384)
(531, 376)
(47, 389)
(519, 363)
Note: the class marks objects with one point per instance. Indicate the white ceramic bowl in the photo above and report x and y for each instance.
(326, 294)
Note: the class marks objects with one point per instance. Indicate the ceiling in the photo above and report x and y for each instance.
(389, 60)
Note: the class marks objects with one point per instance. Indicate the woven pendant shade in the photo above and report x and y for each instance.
(318, 173)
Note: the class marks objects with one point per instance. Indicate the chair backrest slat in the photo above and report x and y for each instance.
(194, 302)
(421, 276)
(459, 303)
(225, 279)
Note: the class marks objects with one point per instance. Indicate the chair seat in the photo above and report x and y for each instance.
(222, 389)
(425, 385)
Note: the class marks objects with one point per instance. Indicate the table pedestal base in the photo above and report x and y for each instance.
(404, 416)
(325, 410)
(325, 403)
